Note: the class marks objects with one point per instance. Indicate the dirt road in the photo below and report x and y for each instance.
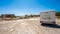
(28, 26)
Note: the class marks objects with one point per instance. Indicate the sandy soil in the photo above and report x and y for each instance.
(28, 26)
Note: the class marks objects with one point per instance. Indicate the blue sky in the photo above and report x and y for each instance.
(22, 7)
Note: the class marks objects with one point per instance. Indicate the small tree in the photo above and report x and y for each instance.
(57, 13)
(26, 16)
(31, 15)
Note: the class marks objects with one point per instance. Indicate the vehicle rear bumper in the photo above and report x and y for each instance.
(48, 22)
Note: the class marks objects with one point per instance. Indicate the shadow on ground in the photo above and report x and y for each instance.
(51, 25)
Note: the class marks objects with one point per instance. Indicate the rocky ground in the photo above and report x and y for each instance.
(28, 26)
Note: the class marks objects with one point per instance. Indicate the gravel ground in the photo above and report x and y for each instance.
(28, 26)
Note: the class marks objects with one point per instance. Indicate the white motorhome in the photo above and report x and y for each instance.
(47, 17)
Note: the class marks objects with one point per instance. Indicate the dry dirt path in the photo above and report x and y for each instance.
(26, 26)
